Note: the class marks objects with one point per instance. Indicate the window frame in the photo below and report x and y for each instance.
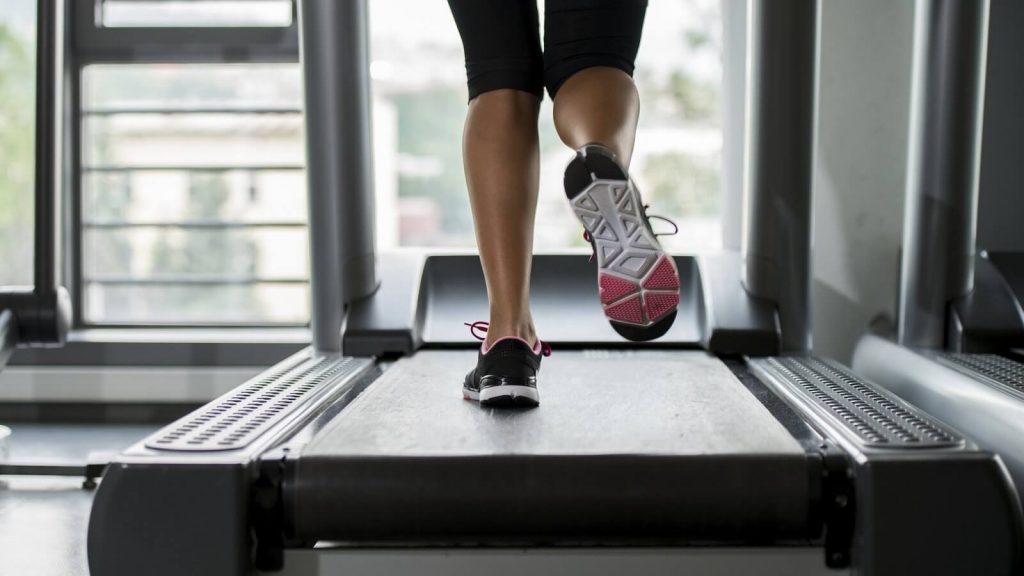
(89, 43)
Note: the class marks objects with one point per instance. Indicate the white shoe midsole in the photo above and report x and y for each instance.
(514, 391)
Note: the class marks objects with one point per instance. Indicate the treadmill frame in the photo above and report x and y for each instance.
(228, 511)
(168, 512)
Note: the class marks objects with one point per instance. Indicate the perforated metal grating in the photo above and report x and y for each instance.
(1002, 370)
(877, 420)
(236, 420)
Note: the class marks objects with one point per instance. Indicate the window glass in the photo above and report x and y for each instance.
(420, 96)
(17, 140)
(193, 195)
(196, 13)
(193, 185)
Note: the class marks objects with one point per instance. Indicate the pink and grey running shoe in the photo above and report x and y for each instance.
(638, 282)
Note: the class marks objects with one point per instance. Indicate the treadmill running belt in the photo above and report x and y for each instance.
(624, 445)
(592, 402)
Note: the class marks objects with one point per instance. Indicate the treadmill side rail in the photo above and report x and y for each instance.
(178, 502)
(989, 411)
(927, 500)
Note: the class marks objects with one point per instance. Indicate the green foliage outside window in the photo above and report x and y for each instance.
(17, 115)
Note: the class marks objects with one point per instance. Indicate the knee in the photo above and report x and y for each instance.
(506, 106)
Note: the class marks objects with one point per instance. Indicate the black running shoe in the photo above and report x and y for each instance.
(638, 282)
(505, 373)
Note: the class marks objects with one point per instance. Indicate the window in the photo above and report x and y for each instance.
(17, 134)
(192, 188)
(193, 195)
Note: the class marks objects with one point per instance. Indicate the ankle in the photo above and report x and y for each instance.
(523, 330)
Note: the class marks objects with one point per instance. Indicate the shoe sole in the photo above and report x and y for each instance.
(637, 281)
(505, 395)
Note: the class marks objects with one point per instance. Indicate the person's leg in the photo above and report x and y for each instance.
(598, 105)
(589, 54)
(501, 155)
(502, 163)
(504, 68)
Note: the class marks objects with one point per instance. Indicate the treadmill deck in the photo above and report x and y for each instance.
(625, 447)
(592, 402)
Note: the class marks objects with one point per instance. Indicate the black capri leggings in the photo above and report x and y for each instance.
(501, 39)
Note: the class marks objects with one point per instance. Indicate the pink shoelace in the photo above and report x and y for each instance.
(481, 326)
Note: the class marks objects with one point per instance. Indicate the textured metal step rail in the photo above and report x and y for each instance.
(239, 418)
(994, 367)
(878, 420)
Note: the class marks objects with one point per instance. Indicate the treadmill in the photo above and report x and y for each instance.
(957, 348)
(723, 447)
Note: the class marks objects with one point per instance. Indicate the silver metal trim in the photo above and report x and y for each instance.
(782, 106)
(339, 168)
(1000, 372)
(940, 218)
(883, 421)
(340, 387)
(234, 421)
(603, 561)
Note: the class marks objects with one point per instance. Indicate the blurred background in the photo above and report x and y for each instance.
(192, 189)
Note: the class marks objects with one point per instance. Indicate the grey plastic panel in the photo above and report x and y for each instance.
(386, 322)
(563, 295)
(877, 419)
(425, 299)
(734, 321)
(625, 445)
(989, 318)
(948, 515)
(234, 420)
(167, 520)
(1011, 266)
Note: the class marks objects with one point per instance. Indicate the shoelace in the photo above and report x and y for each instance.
(675, 230)
(545, 348)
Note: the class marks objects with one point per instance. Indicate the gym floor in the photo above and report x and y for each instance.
(43, 520)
